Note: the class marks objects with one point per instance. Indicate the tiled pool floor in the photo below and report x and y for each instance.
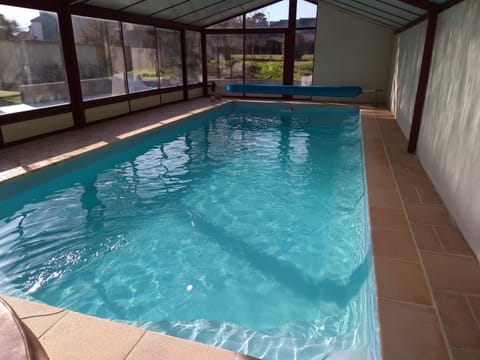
(428, 280)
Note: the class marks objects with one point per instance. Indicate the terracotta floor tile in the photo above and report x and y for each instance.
(412, 168)
(389, 130)
(410, 332)
(7, 162)
(404, 160)
(373, 147)
(396, 147)
(11, 173)
(38, 324)
(383, 197)
(409, 195)
(450, 272)
(389, 127)
(394, 244)
(391, 218)
(382, 181)
(378, 159)
(156, 346)
(453, 240)
(428, 214)
(396, 138)
(85, 337)
(429, 195)
(377, 168)
(368, 120)
(371, 134)
(401, 280)
(426, 237)
(409, 178)
(475, 305)
(465, 355)
(401, 139)
(397, 141)
(461, 328)
(383, 114)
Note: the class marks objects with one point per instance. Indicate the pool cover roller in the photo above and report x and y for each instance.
(312, 90)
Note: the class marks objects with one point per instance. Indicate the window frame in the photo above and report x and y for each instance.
(289, 33)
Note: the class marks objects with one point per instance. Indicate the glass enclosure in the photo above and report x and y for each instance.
(303, 63)
(141, 57)
(100, 57)
(193, 45)
(264, 55)
(120, 58)
(252, 47)
(32, 69)
(169, 57)
(153, 57)
(225, 59)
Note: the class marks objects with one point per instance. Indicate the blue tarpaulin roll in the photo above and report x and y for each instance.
(313, 90)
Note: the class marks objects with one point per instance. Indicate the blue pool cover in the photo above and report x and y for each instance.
(313, 90)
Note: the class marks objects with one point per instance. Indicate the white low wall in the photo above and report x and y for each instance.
(407, 59)
(449, 141)
(30, 128)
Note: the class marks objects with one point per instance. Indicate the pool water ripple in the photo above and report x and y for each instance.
(244, 229)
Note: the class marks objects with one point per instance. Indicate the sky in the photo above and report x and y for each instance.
(279, 11)
(21, 15)
(306, 10)
(274, 12)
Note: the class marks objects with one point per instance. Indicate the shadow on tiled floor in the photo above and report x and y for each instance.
(428, 279)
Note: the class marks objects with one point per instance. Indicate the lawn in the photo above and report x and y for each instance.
(10, 98)
(273, 70)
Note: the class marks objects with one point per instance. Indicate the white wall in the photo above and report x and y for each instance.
(449, 141)
(407, 59)
(351, 51)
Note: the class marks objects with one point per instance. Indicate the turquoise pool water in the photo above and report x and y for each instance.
(244, 227)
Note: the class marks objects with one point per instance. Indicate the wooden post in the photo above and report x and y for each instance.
(204, 63)
(71, 65)
(422, 82)
(184, 64)
(289, 60)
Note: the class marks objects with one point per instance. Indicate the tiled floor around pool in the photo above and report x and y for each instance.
(428, 279)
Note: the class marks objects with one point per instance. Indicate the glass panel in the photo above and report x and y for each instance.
(304, 52)
(169, 57)
(32, 70)
(194, 57)
(306, 14)
(141, 57)
(272, 16)
(225, 59)
(233, 23)
(100, 57)
(264, 58)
